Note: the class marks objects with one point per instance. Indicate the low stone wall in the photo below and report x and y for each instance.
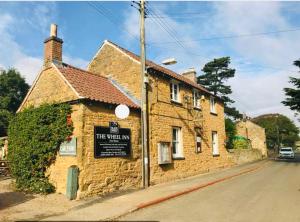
(241, 156)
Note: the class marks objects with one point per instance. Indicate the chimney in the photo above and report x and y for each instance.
(190, 74)
(53, 47)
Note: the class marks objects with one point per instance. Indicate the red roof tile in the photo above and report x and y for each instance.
(163, 69)
(95, 87)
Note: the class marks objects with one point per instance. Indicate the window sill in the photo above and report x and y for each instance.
(197, 108)
(176, 102)
(178, 158)
(215, 114)
(216, 155)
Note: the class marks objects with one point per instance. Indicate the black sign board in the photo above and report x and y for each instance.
(111, 141)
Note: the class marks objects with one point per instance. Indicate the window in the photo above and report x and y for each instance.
(174, 92)
(213, 105)
(164, 153)
(196, 99)
(198, 143)
(215, 144)
(176, 142)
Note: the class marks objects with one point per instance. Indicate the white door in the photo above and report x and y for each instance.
(215, 144)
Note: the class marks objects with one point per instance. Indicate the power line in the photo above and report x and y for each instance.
(171, 32)
(109, 16)
(178, 17)
(231, 37)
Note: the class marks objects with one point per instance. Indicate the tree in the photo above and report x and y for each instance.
(216, 73)
(280, 130)
(230, 129)
(13, 89)
(293, 94)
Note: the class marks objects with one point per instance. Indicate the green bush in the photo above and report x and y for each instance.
(240, 144)
(34, 138)
(230, 129)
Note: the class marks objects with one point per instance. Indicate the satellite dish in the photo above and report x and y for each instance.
(122, 111)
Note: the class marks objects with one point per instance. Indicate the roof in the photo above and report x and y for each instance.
(162, 69)
(95, 87)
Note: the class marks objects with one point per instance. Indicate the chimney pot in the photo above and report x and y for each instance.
(52, 48)
(53, 30)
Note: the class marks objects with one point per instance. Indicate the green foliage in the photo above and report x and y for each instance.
(5, 116)
(216, 73)
(241, 144)
(230, 129)
(232, 112)
(13, 89)
(279, 130)
(34, 138)
(293, 94)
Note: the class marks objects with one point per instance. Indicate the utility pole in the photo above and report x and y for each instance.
(144, 101)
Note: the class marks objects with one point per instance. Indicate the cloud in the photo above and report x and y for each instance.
(263, 63)
(11, 54)
(78, 62)
(37, 17)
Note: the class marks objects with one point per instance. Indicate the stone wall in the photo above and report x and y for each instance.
(165, 114)
(58, 171)
(118, 66)
(104, 175)
(241, 156)
(255, 133)
(50, 88)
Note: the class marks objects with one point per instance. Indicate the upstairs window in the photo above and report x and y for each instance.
(174, 92)
(196, 99)
(213, 105)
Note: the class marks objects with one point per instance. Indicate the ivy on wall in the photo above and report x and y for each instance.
(34, 138)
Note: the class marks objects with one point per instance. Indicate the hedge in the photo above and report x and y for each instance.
(34, 138)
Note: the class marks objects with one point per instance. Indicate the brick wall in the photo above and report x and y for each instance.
(52, 50)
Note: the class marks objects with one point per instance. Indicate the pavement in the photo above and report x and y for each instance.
(121, 206)
(270, 193)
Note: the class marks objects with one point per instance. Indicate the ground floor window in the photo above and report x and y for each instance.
(176, 142)
(215, 144)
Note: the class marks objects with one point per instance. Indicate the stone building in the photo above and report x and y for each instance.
(186, 122)
(254, 133)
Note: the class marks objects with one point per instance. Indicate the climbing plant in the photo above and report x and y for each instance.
(34, 138)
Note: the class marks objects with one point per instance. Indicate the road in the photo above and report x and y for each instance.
(271, 193)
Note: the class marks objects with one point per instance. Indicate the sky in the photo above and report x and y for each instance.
(261, 38)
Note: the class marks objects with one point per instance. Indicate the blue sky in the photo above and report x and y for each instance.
(187, 31)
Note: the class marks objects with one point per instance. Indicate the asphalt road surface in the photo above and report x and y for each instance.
(271, 193)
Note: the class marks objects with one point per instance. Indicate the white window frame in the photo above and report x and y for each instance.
(213, 105)
(196, 99)
(178, 141)
(198, 139)
(215, 143)
(175, 97)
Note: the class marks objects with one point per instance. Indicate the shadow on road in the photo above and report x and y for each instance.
(295, 160)
(10, 199)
